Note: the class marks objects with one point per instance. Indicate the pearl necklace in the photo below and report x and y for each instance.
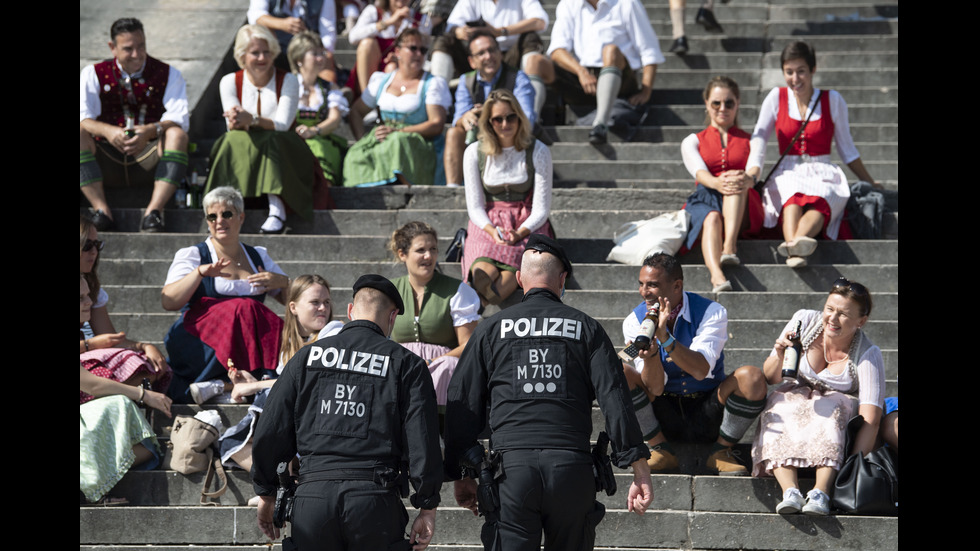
(826, 359)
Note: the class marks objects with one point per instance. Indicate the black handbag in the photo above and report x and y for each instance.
(867, 485)
(454, 253)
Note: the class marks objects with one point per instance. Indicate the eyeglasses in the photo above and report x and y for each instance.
(489, 50)
(499, 119)
(213, 217)
(89, 243)
(729, 104)
(417, 49)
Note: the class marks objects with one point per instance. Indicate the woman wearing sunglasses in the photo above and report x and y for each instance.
(806, 194)
(841, 373)
(716, 159)
(404, 146)
(102, 350)
(219, 286)
(375, 35)
(507, 174)
(260, 154)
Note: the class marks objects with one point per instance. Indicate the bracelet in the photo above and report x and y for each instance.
(142, 392)
(198, 270)
(159, 128)
(86, 345)
(503, 31)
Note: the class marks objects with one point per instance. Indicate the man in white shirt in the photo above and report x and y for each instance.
(599, 47)
(683, 373)
(515, 24)
(132, 106)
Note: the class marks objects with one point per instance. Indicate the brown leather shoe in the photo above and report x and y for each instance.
(661, 460)
(725, 463)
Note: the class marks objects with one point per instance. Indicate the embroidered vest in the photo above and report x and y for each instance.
(678, 380)
(144, 103)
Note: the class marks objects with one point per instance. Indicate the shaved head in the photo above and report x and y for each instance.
(540, 269)
(372, 305)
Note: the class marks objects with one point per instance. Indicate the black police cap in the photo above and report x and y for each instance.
(543, 243)
(382, 284)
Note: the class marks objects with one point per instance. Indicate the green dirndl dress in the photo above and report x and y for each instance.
(108, 429)
(373, 163)
(329, 150)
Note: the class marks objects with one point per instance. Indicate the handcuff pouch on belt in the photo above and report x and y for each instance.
(602, 466)
(476, 463)
(284, 496)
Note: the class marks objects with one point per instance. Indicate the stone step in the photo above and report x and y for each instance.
(691, 115)
(740, 305)
(670, 151)
(766, 276)
(676, 492)
(619, 528)
(862, 133)
(596, 170)
(586, 254)
(744, 333)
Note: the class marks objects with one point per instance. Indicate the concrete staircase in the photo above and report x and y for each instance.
(597, 189)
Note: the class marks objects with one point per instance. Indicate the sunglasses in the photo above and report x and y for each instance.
(729, 104)
(856, 289)
(490, 50)
(499, 119)
(89, 243)
(213, 217)
(417, 49)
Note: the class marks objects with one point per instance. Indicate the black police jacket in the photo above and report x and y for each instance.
(353, 400)
(539, 365)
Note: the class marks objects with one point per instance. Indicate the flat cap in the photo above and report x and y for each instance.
(543, 243)
(382, 284)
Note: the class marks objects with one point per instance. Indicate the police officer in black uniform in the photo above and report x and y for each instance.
(540, 364)
(354, 406)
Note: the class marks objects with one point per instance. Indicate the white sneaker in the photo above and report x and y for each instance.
(792, 502)
(817, 503)
(204, 391)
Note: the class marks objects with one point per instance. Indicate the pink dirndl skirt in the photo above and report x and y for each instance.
(509, 215)
(119, 364)
(440, 370)
(802, 427)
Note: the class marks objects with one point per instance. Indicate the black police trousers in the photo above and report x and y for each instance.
(340, 515)
(550, 491)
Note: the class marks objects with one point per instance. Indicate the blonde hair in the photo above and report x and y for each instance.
(488, 138)
(245, 35)
(292, 337)
(299, 45)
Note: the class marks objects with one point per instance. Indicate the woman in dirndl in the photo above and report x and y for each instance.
(406, 146)
(841, 373)
(260, 154)
(806, 194)
(507, 174)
